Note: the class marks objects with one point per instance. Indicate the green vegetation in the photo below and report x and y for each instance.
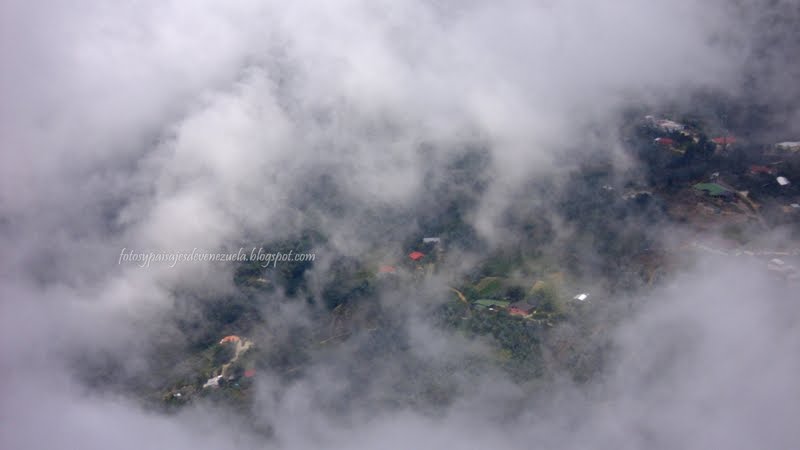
(350, 281)
(593, 227)
(489, 287)
(545, 296)
(517, 339)
(289, 276)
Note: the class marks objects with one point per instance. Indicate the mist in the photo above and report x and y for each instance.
(172, 126)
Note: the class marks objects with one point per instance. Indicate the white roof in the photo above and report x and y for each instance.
(783, 181)
(669, 124)
(788, 144)
(581, 297)
(212, 382)
(777, 261)
(430, 239)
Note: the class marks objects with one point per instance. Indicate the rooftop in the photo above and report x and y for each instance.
(416, 256)
(712, 189)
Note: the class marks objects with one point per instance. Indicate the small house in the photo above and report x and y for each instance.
(665, 141)
(713, 189)
(669, 125)
(491, 304)
(758, 170)
(416, 256)
(229, 339)
(521, 308)
(212, 382)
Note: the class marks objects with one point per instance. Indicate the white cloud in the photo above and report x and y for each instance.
(172, 125)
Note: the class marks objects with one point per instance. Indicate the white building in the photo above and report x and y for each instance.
(669, 125)
(665, 124)
(212, 382)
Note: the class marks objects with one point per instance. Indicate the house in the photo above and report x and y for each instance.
(228, 339)
(664, 141)
(416, 256)
(581, 297)
(212, 382)
(783, 181)
(666, 125)
(756, 170)
(713, 189)
(722, 143)
(250, 373)
(430, 240)
(491, 304)
(521, 308)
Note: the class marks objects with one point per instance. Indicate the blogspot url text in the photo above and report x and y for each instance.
(145, 259)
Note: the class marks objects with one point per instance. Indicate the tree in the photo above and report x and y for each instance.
(546, 298)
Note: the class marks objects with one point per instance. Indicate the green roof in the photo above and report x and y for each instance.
(712, 189)
(489, 302)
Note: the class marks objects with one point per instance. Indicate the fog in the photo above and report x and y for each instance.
(168, 126)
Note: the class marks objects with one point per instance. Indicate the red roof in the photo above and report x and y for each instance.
(665, 141)
(250, 373)
(760, 169)
(724, 140)
(231, 338)
(416, 256)
(516, 312)
(386, 269)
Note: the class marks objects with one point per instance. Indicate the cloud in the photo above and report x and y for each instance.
(709, 361)
(168, 126)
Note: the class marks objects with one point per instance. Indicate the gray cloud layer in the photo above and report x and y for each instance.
(172, 125)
